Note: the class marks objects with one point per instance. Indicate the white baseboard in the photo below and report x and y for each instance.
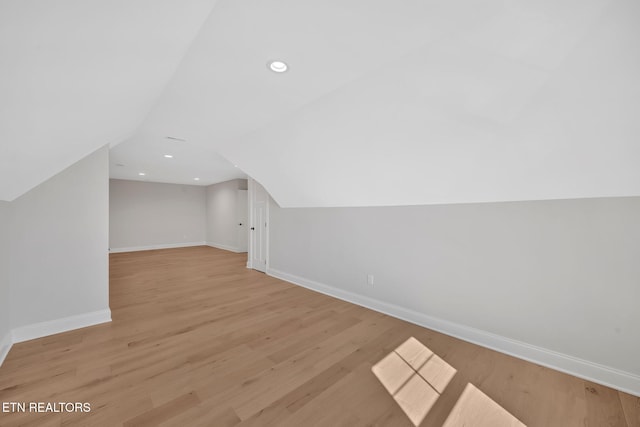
(605, 375)
(225, 247)
(5, 345)
(42, 329)
(154, 247)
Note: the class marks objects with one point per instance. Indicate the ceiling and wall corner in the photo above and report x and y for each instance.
(189, 164)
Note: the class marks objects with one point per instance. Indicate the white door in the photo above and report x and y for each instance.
(243, 220)
(259, 232)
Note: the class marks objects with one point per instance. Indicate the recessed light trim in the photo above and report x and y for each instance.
(141, 173)
(168, 156)
(277, 66)
(196, 179)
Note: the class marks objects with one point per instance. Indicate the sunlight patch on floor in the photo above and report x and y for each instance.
(415, 377)
(474, 408)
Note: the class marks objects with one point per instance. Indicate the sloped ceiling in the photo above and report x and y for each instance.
(385, 103)
(78, 74)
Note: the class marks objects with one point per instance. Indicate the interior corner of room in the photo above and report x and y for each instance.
(150, 215)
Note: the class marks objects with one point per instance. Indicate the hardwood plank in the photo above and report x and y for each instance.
(631, 408)
(197, 339)
(604, 408)
(205, 414)
(164, 412)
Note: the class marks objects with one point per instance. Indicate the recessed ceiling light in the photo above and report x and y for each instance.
(278, 66)
(196, 179)
(141, 173)
(168, 156)
(235, 166)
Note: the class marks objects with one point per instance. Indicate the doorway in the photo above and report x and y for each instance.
(258, 233)
(242, 206)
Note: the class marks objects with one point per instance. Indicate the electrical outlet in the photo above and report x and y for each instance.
(370, 279)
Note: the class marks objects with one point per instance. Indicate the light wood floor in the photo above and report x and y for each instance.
(199, 340)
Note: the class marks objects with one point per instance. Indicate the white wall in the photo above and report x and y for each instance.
(147, 215)
(222, 214)
(543, 276)
(5, 317)
(59, 257)
(491, 106)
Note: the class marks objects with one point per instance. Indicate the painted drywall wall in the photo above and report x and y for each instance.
(147, 215)
(59, 243)
(222, 214)
(5, 264)
(559, 275)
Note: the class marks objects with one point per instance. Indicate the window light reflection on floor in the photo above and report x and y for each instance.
(415, 377)
(474, 408)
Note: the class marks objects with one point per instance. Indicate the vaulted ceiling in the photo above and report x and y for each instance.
(385, 102)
